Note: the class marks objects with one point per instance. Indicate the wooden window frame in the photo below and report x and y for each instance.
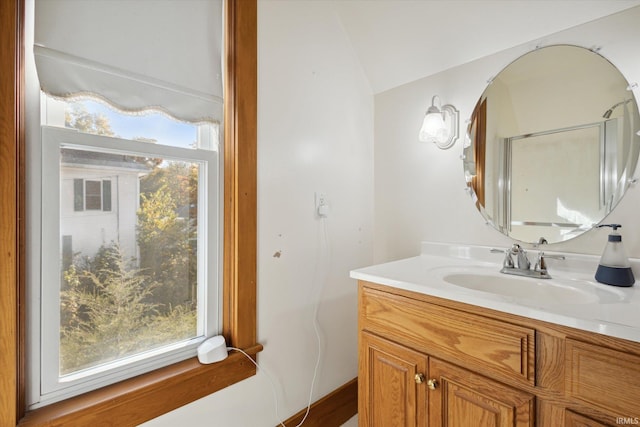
(147, 396)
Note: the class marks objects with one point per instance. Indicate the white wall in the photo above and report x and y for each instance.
(315, 133)
(419, 189)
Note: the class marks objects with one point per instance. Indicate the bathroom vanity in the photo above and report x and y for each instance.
(433, 352)
(445, 339)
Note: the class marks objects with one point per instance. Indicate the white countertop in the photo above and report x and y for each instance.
(608, 310)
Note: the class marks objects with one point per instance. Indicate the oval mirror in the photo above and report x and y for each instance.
(552, 144)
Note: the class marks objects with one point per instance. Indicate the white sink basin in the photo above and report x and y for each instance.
(538, 291)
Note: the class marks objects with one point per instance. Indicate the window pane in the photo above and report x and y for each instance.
(96, 117)
(92, 195)
(132, 283)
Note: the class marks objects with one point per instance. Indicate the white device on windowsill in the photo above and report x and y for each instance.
(213, 350)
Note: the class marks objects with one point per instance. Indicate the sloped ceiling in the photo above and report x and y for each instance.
(399, 41)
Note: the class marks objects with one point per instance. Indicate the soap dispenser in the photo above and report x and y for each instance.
(614, 268)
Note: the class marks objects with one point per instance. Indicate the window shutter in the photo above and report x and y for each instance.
(78, 195)
(106, 195)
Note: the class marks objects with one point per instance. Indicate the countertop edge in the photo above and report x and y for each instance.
(494, 302)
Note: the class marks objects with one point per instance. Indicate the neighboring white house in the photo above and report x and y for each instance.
(100, 195)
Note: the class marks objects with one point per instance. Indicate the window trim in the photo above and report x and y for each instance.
(142, 398)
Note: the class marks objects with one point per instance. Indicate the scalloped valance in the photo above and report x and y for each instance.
(163, 55)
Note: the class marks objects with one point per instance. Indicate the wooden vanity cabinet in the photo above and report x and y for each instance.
(405, 388)
(426, 361)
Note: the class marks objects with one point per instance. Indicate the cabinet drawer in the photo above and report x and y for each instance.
(603, 377)
(468, 339)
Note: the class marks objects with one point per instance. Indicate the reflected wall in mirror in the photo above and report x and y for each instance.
(552, 144)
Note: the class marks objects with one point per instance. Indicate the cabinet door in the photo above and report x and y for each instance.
(392, 384)
(459, 398)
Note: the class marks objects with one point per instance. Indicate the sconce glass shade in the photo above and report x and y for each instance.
(440, 125)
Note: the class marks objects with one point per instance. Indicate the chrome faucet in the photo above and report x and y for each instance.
(516, 262)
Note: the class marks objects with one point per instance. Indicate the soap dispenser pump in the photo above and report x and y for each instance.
(614, 268)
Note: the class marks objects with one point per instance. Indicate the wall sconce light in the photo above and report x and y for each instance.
(440, 125)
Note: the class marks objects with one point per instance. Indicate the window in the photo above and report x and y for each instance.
(94, 195)
(134, 117)
(130, 289)
(155, 393)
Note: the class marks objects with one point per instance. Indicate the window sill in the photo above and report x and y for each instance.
(147, 396)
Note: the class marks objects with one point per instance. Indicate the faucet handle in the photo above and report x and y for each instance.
(508, 261)
(542, 254)
(541, 264)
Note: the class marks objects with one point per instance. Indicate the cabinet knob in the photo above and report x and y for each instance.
(419, 378)
(432, 384)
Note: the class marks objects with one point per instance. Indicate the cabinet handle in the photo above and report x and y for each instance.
(432, 384)
(419, 378)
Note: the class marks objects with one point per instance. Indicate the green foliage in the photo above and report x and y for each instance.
(167, 240)
(180, 178)
(107, 313)
(157, 217)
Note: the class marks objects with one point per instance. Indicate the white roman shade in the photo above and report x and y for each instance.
(164, 55)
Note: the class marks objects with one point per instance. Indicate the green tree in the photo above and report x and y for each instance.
(167, 250)
(108, 314)
(105, 319)
(180, 178)
(76, 116)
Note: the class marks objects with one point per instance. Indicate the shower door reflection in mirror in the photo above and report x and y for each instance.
(558, 182)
